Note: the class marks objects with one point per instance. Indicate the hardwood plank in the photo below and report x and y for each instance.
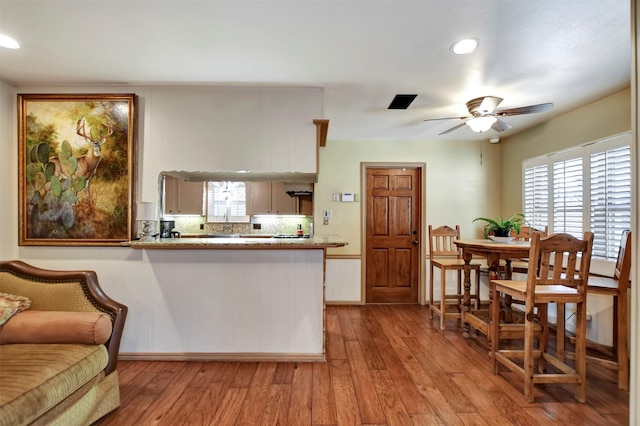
(346, 325)
(244, 375)
(172, 392)
(183, 406)
(347, 412)
(335, 344)
(203, 412)
(425, 420)
(368, 402)
(284, 373)
(369, 349)
(256, 399)
(323, 401)
(206, 374)
(229, 407)
(479, 398)
(414, 401)
(277, 407)
(392, 403)
(129, 413)
(301, 395)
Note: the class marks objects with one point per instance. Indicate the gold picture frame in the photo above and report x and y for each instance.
(76, 169)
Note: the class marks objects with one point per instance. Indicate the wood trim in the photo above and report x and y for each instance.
(344, 256)
(220, 356)
(322, 127)
(344, 303)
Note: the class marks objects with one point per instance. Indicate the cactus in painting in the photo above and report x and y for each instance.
(52, 188)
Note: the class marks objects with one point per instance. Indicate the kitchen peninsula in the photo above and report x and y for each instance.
(263, 298)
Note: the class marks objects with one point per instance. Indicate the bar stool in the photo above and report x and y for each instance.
(558, 272)
(615, 357)
(444, 255)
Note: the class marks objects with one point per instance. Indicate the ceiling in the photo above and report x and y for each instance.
(568, 52)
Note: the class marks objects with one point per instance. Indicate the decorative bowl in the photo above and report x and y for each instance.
(501, 239)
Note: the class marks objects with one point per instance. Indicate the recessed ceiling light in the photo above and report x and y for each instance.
(464, 47)
(8, 42)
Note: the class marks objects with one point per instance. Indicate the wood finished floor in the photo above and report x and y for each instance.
(386, 365)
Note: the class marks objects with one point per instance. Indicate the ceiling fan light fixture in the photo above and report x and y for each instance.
(464, 47)
(481, 124)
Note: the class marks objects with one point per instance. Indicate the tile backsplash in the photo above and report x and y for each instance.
(267, 224)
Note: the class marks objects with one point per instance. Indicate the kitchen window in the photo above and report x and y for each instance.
(227, 202)
(583, 188)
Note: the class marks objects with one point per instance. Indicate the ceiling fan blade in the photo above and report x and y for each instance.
(445, 118)
(489, 104)
(452, 129)
(500, 126)
(525, 110)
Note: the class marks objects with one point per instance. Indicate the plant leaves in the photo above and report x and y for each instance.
(43, 153)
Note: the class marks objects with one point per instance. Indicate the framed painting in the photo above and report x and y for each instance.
(76, 169)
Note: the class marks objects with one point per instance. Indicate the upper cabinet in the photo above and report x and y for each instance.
(183, 197)
(269, 198)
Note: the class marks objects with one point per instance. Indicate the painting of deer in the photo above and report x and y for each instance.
(86, 164)
(76, 169)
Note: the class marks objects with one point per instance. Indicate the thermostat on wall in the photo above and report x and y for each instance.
(348, 197)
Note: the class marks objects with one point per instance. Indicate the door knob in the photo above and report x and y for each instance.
(415, 242)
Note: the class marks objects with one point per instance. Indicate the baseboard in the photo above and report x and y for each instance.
(218, 356)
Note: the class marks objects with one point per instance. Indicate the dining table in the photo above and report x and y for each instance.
(494, 251)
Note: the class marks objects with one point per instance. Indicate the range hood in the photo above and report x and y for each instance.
(298, 189)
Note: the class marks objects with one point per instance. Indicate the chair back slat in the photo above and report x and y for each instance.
(441, 241)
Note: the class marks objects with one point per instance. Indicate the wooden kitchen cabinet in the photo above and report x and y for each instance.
(269, 198)
(183, 197)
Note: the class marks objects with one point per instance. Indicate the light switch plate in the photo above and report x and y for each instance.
(336, 197)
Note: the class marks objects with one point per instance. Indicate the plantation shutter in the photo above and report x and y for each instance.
(536, 196)
(610, 199)
(567, 197)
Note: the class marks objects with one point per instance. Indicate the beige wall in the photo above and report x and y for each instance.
(606, 117)
(462, 179)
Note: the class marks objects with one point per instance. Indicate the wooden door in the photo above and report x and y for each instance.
(393, 235)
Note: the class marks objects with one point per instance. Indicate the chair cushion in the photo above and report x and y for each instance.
(36, 377)
(32, 326)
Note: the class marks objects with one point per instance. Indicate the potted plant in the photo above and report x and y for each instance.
(502, 227)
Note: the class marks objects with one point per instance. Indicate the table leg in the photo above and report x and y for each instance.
(466, 299)
(508, 313)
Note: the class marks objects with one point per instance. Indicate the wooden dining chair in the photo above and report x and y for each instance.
(522, 265)
(616, 356)
(558, 272)
(445, 255)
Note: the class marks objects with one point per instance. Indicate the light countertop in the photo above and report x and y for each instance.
(317, 242)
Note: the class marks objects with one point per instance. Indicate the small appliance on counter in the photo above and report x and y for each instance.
(166, 228)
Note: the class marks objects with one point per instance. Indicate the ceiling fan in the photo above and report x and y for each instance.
(484, 115)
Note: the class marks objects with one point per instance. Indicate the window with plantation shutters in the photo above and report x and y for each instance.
(583, 188)
(226, 202)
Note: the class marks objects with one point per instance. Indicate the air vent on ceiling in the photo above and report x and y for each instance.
(401, 101)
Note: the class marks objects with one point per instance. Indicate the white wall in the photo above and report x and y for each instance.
(175, 131)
